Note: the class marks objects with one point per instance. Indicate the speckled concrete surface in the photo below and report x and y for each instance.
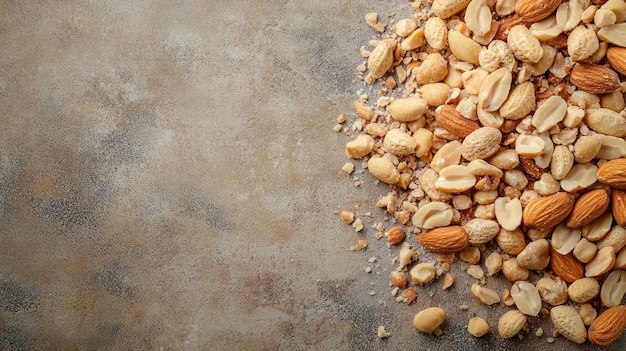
(169, 177)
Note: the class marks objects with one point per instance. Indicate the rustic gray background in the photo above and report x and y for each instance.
(169, 179)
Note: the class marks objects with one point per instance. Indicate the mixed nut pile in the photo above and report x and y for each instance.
(500, 128)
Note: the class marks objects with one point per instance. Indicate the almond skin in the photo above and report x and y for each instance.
(548, 211)
(533, 10)
(619, 206)
(594, 79)
(617, 58)
(449, 239)
(589, 207)
(449, 119)
(613, 173)
(608, 326)
(567, 267)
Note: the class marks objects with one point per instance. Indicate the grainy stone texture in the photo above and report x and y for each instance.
(168, 177)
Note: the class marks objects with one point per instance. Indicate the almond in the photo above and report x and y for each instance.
(449, 119)
(617, 58)
(618, 202)
(608, 326)
(594, 78)
(449, 239)
(548, 211)
(566, 267)
(613, 173)
(535, 10)
(589, 207)
(395, 235)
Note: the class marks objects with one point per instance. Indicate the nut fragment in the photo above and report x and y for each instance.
(360, 147)
(464, 48)
(493, 263)
(422, 273)
(477, 327)
(536, 255)
(399, 279)
(485, 295)
(455, 179)
(526, 298)
(552, 291)
(587, 313)
(513, 272)
(508, 213)
(529, 145)
(585, 250)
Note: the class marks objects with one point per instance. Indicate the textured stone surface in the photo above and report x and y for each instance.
(169, 177)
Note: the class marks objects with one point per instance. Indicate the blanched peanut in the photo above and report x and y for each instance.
(620, 260)
(495, 89)
(408, 109)
(383, 170)
(529, 145)
(360, 147)
(613, 289)
(470, 255)
(485, 197)
(543, 161)
(546, 29)
(579, 177)
(404, 27)
(424, 140)
(426, 321)
(432, 215)
(587, 148)
(508, 213)
(547, 185)
(604, 17)
(526, 298)
(562, 162)
(434, 69)
(455, 179)
(513, 272)
(427, 181)
(464, 48)
(573, 116)
(399, 143)
(597, 229)
(564, 239)
(447, 155)
(477, 327)
(585, 250)
(422, 273)
(493, 263)
(601, 263)
(588, 314)
(505, 159)
(613, 101)
(568, 15)
(616, 238)
(605, 121)
(435, 94)
(612, 147)
(473, 80)
(485, 295)
(549, 113)
(414, 41)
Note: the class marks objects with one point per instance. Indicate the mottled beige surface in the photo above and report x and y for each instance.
(169, 177)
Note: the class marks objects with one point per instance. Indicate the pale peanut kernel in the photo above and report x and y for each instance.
(422, 273)
(432, 215)
(529, 145)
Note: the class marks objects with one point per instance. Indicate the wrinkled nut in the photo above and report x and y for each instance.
(582, 43)
(580, 177)
(455, 179)
(524, 44)
(526, 298)
(505, 159)
(446, 8)
(426, 321)
(597, 229)
(564, 238)
(613, 288)
(615, 238)
(612, 173)
(395, 235)
(585, 250)
(589, 207)
(513, 272)
(511, 323)
(422, 273)
(529, 145)
(608, 326)
(481, 143)
(508, 213)
(447, 155)
(360, 147)
(435, 94)
(583, 290)
(538, 234)
(552, 291)
(432, 70)
(511, 241)
(587, 148)
(408, 109)
(427, 181)
(486, 197)
(536, 255)
(587, 313)
(601, 263)
(494, 90)
(485, 295)
(477, 327)
(568, 322)
(424, 140)
(480, 231)
(520, 102)
(399, 279)
(493, 263)
(549, 113)
(432, 215)
(548, 211)
(399, 143)
(470, 255)
(489, 60)
(606, 121)
(464, 48)
(381, 58)
(618, 202)
(436, 33)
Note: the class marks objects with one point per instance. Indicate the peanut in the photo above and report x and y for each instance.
(426, 321)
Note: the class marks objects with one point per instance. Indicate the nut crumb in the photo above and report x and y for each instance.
(382, 333)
